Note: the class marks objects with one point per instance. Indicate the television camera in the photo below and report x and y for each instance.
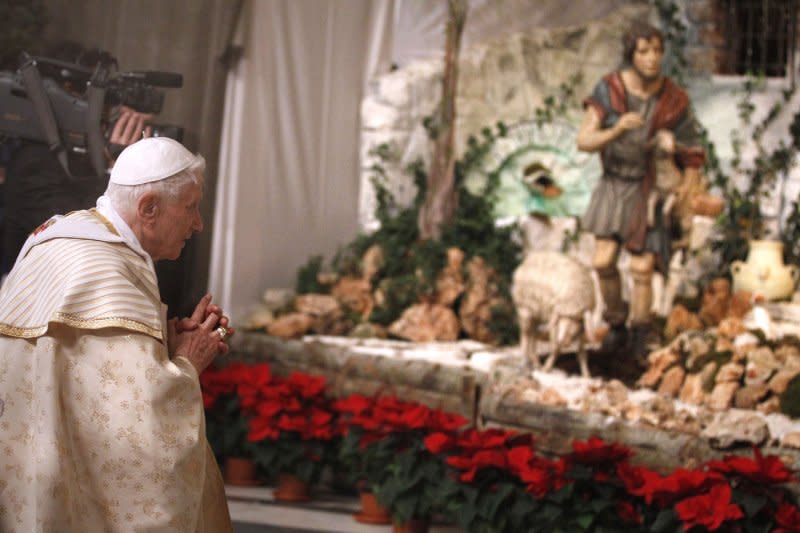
(65, 105)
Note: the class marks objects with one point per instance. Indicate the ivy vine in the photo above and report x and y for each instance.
(743, 218)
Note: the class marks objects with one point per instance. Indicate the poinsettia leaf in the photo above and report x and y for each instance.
(471, 496)
(750, 503)
(524, 505)
(387, 492)
(410, 482)
(611, 529)
(605, 491)
(465, 514)
(584, 520)
(500, 496)
(404, 508)
(485, 503)
(550, 512)
(750, 527)
(562, 495)
(580, 472)
(305, 471)
(599, 504)
(667, 520)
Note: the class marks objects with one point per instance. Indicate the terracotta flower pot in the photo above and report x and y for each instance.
(291, 489)
(240, 471)
(412, 526)
(372, 512)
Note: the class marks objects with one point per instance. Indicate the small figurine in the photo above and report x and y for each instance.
(554, 289)
(668, 176)
(622, 117)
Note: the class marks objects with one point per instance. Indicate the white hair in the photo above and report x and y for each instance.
(125, 197)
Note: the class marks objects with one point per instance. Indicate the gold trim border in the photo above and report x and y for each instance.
(107, 223)
(82, 323)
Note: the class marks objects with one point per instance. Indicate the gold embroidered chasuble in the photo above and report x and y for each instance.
(99, 429)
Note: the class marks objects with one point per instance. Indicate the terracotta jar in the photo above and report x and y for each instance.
(239, 471)
(764, 272)
(291, 489)
(372, 512)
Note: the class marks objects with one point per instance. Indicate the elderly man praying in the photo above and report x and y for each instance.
(101, 417)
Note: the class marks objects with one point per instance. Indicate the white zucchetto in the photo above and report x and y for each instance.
(150, 159)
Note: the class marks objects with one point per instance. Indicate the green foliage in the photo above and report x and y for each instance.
(790, 399)
(307, 277)
(226, 428)
(671, 22)
(409, 488)
(791, 230)
(503, 323)
(290, 454)
(367, 464)
(558, 105)
(743, 218)
(486, 505)
(410, 264)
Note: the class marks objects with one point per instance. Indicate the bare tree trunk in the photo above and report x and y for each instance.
(441, 197)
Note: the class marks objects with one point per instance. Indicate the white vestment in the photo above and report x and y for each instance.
(100, 430)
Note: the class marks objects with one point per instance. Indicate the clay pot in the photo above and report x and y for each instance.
(239, 471)
(372, 512)
(291, 489)
(412, 526)
(764, 272)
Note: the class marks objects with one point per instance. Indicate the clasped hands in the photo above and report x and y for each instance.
(201, 337)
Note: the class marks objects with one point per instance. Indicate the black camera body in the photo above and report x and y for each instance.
(62, 104)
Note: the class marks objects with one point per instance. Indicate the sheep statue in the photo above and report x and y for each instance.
(555, 289)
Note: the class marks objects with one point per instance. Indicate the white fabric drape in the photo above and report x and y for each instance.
(289, 177)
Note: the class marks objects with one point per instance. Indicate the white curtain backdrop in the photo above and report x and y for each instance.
(288, 175)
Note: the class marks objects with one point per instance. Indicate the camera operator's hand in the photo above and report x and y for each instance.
(130, 127)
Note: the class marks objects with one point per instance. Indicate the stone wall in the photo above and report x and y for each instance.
(705, 40)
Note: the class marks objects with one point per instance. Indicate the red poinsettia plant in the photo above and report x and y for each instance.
(421, 460)
(501, 483)
(293, 429)
(481, 490)
(229, 397)
(376, 429)
(410, 481)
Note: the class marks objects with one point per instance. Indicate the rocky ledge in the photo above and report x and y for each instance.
(492, 387)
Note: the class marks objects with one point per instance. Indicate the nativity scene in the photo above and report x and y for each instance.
(539, 272)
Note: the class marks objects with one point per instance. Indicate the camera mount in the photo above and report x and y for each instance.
(62, 104)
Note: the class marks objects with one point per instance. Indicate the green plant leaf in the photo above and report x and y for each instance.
(751, 503)
(666, 521)
(584, 520)
(465, 514)
(550, 512)
(405, 507)
(598, 505)
(562, 495)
